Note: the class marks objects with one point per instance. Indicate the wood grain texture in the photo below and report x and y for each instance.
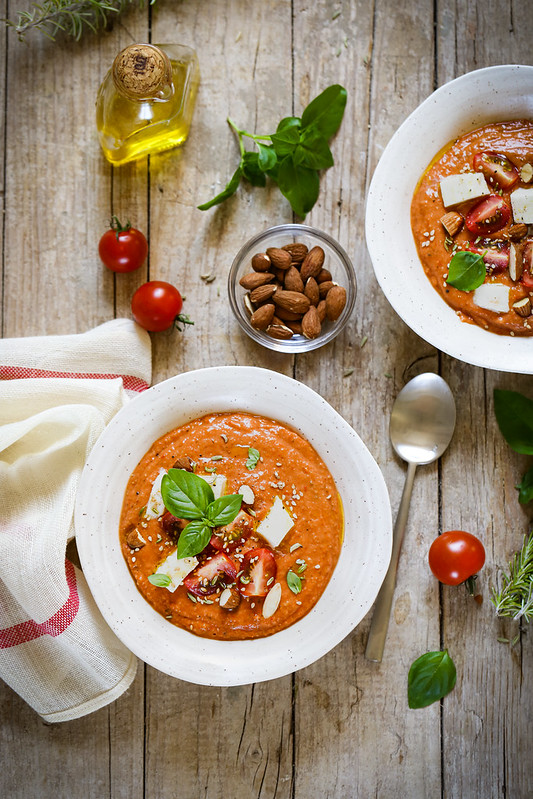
(341, 727)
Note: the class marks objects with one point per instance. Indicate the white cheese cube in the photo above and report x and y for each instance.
(217, 483)
(176, 569)
(459, 188)
(492, 297)
(155, 506)
(522, 204)
(276, 524)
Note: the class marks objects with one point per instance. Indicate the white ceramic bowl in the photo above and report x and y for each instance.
(477, 98)
(365, 552)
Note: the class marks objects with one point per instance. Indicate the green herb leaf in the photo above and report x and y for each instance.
(253, 458)
(251, 169)
(299, 185)
(325, 112)
(313, 150)
(431, 677)
(267, 157)
(525, 488)
(515, 599)
(294, 582)
(467, 271)
(193, 539)
(161, 580)
(288, 122)
(185, 494)
(286, 141)
(514, 414)
(224, 509)
(230, 189)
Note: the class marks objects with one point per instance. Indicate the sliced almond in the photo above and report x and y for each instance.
(272, 600)
(526, 173)
(516, 265)
(248, 496)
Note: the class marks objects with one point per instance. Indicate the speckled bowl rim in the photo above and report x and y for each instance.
(359, 573)
(492, 94)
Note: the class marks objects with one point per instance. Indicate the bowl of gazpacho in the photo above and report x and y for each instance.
(449, 219)
(232, 527)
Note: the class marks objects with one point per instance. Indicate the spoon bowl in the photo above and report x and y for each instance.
(421, 428)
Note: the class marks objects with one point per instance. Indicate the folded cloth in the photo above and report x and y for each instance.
(57, 393)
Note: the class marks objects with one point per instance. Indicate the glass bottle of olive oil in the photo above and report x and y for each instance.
(146, 101)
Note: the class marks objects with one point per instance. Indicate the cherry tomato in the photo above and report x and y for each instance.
(497, 260)
(497, 169)
(455, 557)
(488, 216)
(205, 578)
(156, 305)
(122, 248)
(258, 572)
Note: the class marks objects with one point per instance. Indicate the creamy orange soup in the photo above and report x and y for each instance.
(503, 154)
(225, 593)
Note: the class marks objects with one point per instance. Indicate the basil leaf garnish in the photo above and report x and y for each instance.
(431, 677)
(193, 539)
(299, 184)
(466, 271)
(325, 112)
(230, 189)
(253, 458)
(514, 414)
(525, 488)
(185, 494)
(294, 582)
(224, 509)
(161, 580)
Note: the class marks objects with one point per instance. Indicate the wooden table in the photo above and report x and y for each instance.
(341, 727)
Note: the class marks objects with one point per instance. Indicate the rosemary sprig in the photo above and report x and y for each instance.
(71, 17)
(515, 599)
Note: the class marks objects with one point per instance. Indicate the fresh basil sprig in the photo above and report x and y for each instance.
(187, 496)
(431, 677)
(514, 414)
(466, 271)
(293, 155)
(253, 458)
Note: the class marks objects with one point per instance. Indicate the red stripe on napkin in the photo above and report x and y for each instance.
(131, 383)
(54, 626)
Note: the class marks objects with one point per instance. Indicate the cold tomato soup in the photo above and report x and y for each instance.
(476, 197)
(257, 573)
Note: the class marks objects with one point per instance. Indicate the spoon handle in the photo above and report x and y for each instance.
(380, 618)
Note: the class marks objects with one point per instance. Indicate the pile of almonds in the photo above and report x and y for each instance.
(290, 292)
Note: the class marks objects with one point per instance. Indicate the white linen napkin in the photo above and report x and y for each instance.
(57, 393)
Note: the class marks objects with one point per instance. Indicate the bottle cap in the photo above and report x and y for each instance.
(141, 71)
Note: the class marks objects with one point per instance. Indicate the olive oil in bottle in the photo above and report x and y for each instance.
(146, 101)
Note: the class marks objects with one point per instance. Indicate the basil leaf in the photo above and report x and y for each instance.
(299, 185)
(185, 494)
(514, 414)
(325, 112)
(253, 458)
(193, 539)
(285, 141)
(161, 580)
(224, 509)
(313, 151)
(294, 582)
(431, 677)
(288, 122)
(525, 488)
(267, 157)
(251, 169)
(467, 271)
(230, 189)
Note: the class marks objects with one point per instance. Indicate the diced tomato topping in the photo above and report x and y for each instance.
(206, 578)
(258, 572)
(234, 533)
(172, 525)
(497, 260)
(497, 169)
(527, 263)
(488, 216)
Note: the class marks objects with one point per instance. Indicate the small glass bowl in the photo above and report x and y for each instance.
(336, 261)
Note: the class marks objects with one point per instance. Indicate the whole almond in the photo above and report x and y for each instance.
(312, 263)
(263, 293)
(517, 232)
(324, 275)
(522, 307)
(311, 323)
(311, 290)
(288, 316)
(254, 279)
(335, 302)
(298, 251)
(279, 274)
(279, 331)
(293, 301)
(324, 287)
(296, 327)
(321, 310)
(262, 317)
(293, 280)
(281, 259)
(261, 262)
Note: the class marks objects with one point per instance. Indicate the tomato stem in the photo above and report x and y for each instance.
(117, 226)
(182, 319)
(470, 583)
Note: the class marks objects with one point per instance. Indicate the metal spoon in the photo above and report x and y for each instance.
(421, 427)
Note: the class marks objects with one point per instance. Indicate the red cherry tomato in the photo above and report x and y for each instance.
(156, 305)
(497, 168)
(122, 248)
(456, 556)
(488, 216)
(205, 578)
(258, 572)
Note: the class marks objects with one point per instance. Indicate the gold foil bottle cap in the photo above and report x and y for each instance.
(141, 71)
